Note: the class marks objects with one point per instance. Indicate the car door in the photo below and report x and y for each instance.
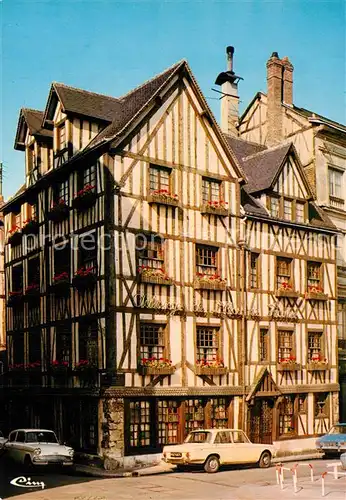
(10, 445)
(224, 447)
(244, 451)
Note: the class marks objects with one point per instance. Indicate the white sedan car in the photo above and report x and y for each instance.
(37, 447)
(214, 447)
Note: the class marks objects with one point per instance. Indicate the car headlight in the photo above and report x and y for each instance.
(37, 451)
(71, 452)
(318, 444)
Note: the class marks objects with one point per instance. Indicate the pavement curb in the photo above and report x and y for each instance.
(165, 469)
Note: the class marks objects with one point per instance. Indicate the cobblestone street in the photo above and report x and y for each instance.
(230, 484)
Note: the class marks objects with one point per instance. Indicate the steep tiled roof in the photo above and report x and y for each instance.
(318, 217)
(33, 118)
(261, 168)
(310, 114)
(243, 148)
(86, 103)
(251, 205)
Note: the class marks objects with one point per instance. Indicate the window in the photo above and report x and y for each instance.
(31, 158)
(315, 352)
(194, 415)
(150, 252)
(62, 259)
(300, 211)
(139, 424)
(63, 340)
(34, 346)
(168, 421)
(211, 190)
(254, 270)
(87, 252)
(315, 275)
(61, 192)
(287, 209)
(223, 437)
(286, 416)
(18, 349)
(207, 343)
(88, 177)
(302, 403)
(20, 437)
(264, 345)
(206, 260)
(274, 206)
(335, 183)
(285, 346)
(321, 405)
(33, 212)
(17, 278)
(152, 340)
(34, 271)
(219, 413)
(61, 137)
(283, 271)
(160, 179)
(88, 342)
(18, 220)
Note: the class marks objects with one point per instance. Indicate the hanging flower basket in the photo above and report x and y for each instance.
(155, 366)
(61, 284)
(84, 279)
(163, 197)
(85, 198)
(32, 291)
(216, 208)
(214, 367)
(209, 282)
(31, 226)
(155, 276)
(15, 236)
(14, 299)
(59, 211)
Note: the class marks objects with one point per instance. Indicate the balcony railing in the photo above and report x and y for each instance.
(337, 202)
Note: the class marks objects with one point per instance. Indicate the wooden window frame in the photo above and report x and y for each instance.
(63, 265)
(82, 262)
(151, 243)
(87, 176)
(217, 258)
(61, 191)
(34, 280)
(303, 204)
(265, 359)
(14, 287)
(321, 272)
(160, 168)
(270, 198)
(317, 407)
(217, 347)
(334, 170)
(164, 340)
(210, 182)
(63, 330)
(319, 333)
(59, 127)
(293, 348)
(290, 281)
(36, 334)
(291, 201)
(90, 331)
(257, 270)
(292, 416)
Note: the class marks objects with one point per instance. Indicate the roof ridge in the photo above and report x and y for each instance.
(268, 150)
(87, 91)
(32, 109)
(246, 142)
(152, 79)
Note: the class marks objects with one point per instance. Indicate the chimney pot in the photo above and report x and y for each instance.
(230, 49)
(275, 54)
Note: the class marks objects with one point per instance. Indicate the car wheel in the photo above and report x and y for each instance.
(27, 462)
(212, 464)
(180, 468)
(265, 460)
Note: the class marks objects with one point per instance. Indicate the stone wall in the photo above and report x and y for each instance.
(112, 432)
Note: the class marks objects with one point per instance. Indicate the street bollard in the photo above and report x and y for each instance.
(278, 473)
(294, 479)
(322, 477)
(311, 473)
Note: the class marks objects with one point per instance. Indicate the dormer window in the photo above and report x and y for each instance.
(31, 158)
(274, 206)
(300, 211)
(287, 209)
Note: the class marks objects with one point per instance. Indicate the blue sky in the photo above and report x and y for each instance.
(111, 46)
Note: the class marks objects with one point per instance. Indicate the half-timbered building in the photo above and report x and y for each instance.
(141, 302)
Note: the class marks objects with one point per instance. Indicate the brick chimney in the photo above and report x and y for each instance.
(287, 81)
(274, 98)
(229, 99)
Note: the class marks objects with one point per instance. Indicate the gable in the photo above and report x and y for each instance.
(290, 181)
(263, 386)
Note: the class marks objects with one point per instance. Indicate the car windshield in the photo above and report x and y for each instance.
(338, 429)
(40, 437)
(198, 437)
(1, 435)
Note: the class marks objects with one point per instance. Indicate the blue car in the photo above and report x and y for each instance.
(334, 442)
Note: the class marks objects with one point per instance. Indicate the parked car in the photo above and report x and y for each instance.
(37, 447)
(343, 460)
(334, 442)
(211, 448)
(2, 440)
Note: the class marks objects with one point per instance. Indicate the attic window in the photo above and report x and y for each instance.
(287, 209)
(274, 206)
(61, 137)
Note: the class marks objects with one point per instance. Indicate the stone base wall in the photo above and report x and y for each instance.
(112, 432)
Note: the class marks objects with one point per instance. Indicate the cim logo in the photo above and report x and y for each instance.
(26, 482)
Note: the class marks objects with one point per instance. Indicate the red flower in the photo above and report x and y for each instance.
(61, 276)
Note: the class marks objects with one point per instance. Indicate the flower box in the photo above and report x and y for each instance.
(286, 292)
(34, 367)
(15, 298)
(84, 279)
(59, 368)
(58, 212)
(210, 370)
(32, 291)
(288, 367)
(87, 373)
(30, 227)
(163, 197)
(317, 366)
(201, 284)
(85, 198)
(316, 296)
(156, 280)
(156, 370)
(15, 237)
(61, 284)
(216, 208)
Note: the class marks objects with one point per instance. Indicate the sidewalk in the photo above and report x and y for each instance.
(164, 468)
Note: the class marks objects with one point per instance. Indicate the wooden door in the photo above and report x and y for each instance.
(261, 421)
